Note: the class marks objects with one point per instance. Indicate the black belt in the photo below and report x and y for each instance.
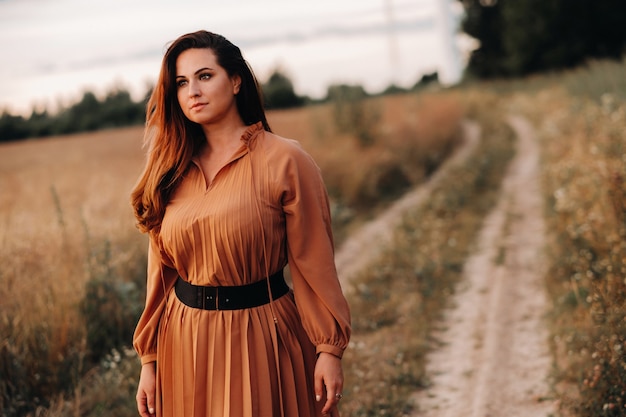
(230, 297)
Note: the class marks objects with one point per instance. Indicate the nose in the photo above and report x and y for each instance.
(194, 89)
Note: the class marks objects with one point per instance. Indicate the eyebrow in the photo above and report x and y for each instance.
(197, 72)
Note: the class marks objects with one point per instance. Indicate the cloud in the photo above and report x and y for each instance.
(52, 47)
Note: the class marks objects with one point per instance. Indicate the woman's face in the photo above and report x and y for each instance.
(205, 91)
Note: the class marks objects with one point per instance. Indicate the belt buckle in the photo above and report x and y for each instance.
(209, 298)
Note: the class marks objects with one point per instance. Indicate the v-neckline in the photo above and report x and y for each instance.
(244, 148)
(208, 182)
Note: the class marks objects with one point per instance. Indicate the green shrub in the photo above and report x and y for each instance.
(112, 303)
(111, 308)
(354, 113)
(108, 390)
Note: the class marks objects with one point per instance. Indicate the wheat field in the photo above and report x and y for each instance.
(66, 222)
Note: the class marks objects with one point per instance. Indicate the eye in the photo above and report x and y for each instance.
(181, 83)
(204, 76)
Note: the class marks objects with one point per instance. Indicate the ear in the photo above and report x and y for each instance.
(236, 79)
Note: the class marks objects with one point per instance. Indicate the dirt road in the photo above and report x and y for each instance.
(494, 358)
(364, 245)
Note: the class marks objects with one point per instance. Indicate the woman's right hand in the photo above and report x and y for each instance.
(147, 390)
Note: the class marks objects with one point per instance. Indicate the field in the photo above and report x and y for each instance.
(66, 220)
(73, 264)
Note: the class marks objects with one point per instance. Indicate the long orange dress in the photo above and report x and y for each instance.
(266, 207)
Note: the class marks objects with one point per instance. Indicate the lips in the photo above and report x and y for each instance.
(198, 106)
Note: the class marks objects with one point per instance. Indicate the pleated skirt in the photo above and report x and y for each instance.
(237, 363)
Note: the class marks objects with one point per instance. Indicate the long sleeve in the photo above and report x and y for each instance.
(159, 280)
(320, 301)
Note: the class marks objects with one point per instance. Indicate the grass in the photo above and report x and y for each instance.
(413, 137)
(585, 204)
(580, 117)
(401, 296)
(74, 266)
(57, 235)
(60, 205)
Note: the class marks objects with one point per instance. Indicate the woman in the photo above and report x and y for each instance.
(227, 204)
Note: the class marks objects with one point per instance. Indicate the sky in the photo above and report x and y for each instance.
(54, 50)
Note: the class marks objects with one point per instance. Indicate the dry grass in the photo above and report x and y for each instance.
(65, 219)
(581, 124)
(59, 197)
(584, 172)
(66, 223)
(62, 200)
(401, 296)
(412, 137)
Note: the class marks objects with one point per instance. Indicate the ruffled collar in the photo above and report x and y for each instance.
(251, 133)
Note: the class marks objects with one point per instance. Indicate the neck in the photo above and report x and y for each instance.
(224, 134)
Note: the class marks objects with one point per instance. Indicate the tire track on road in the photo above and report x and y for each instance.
(494, 358)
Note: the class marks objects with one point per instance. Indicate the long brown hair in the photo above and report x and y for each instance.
(171, 138)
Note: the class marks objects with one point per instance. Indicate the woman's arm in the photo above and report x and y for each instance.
(322, 306)
(160, 280)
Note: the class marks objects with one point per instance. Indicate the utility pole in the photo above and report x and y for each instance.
(394, 57)
(446, 22)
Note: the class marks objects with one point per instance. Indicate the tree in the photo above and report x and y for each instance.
(522, 37)
(12, 127)
(119, 109)
(426, 80)
(279, 93)
(483, 22)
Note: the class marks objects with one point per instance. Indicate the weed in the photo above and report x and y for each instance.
(584, 165)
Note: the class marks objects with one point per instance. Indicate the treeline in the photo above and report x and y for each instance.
(118, 109)
(515, 38)
(530, 36)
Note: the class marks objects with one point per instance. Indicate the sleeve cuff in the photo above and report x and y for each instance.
(150, 357)
(333, 350)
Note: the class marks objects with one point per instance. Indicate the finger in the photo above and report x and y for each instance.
(150, 401)
(319, 387)
(331, 400)
(330, 404)
(145, 404)
(339, 391)
(142, 407)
